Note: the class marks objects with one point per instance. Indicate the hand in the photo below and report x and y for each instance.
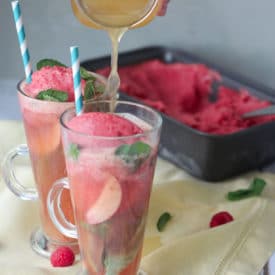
(163, 8)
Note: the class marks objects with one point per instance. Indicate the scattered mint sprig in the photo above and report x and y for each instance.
(163, 220)
(48, 62)
(255, 189)
(53, 95)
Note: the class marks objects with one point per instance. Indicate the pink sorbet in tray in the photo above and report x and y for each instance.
(182, 91)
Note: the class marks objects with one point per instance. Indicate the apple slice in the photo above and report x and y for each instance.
(107, 203)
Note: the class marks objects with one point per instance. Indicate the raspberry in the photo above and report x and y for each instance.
(220, 218)
(62, 256)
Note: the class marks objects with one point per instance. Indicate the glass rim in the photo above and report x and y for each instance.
(38, 101)
(124, 102)
(23, 81)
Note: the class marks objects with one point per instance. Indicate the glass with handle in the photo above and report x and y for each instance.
(44, 147)
(110, 189)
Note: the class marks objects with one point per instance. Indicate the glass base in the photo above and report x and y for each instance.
(44, 247)
(141, 272)
(81, 272)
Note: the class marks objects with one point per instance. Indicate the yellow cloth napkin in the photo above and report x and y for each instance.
(187, 246)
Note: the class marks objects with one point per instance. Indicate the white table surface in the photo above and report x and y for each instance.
(9, 109)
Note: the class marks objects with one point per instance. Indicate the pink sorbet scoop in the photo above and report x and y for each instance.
(56, 77)
(104, 124)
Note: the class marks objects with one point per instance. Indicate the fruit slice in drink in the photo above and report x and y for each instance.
(107, 202)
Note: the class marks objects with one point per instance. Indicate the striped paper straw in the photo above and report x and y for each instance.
(77, 80)
(22, 40)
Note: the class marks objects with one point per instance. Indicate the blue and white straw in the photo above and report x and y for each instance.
(22, 40)
(77, 80)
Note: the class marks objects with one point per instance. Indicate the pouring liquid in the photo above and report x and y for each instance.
(116, 17)
(113, 82)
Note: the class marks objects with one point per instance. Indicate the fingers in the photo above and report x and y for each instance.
(163, 8)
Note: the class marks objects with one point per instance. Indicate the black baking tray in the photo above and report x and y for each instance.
(206, 156)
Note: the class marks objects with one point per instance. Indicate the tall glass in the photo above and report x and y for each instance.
(110, 189)
(42, 130)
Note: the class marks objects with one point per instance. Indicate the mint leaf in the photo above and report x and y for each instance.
(100, 89)
(255, 189)
(163, 220)
(123, 150)
(139, 148)
(116, 260)
(258, 185)
(133, 154)
(48, 62)
(53, 95)
(114, 264)
(84, 74)
(136, 149)
(73, 151)
(239, 194)
(89, 91)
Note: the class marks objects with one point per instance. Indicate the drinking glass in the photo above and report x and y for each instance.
(110, 189)
(42, 129)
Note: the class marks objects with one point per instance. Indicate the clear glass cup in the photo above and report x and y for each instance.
(102, 14)
(110, 189)
(42, 130)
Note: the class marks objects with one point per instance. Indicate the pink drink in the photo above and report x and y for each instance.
(110, 188)
(43, 133)
(41, 122)
(121, 232)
